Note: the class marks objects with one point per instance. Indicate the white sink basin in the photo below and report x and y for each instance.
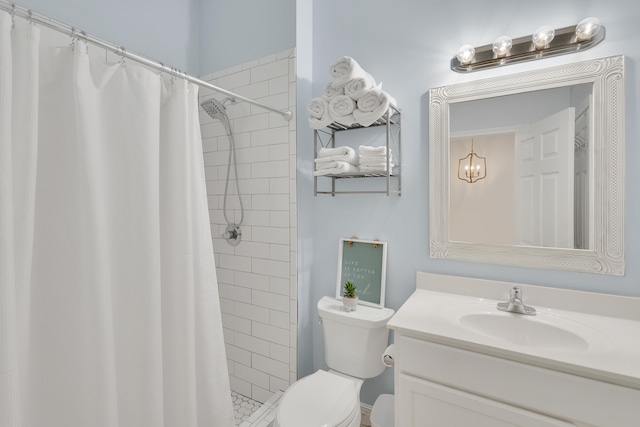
(582, 333)
(543, 331)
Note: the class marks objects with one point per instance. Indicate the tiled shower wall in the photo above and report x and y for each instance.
(257, 279)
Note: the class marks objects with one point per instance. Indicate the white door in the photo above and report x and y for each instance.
(544, 181)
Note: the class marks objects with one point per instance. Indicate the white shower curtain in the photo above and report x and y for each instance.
(109, 309)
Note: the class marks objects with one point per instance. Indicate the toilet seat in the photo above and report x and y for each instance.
(320, 399)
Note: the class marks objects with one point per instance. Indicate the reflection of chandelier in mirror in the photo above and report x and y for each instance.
(472, 168)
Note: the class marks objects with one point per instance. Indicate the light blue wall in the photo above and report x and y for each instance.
(408, 44)
(306, 218)
(237, 31)
(164, 30)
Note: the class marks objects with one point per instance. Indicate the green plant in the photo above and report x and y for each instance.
(349, 289)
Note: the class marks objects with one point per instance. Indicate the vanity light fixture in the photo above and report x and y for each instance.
(472, 168)
(465, 54)
(587, 28)
(543, 36)
(544, 42)
(501, 46)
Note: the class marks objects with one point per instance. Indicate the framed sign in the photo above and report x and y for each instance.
(364, 263)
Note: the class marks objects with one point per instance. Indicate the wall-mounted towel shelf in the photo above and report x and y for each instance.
(391, 123)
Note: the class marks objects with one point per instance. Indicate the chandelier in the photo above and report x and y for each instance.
(472, 168)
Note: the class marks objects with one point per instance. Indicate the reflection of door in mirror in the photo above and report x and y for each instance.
(544, 181)
(583, 223)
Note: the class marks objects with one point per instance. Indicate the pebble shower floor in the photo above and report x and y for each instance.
(243, 407)
(250, 413)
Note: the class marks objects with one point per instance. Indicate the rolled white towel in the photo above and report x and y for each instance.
(358, 86)
(342, 168)
(335, 151)
(345, 69)
(349, 158)
(340, 158)
(372, 106)
(331, 92)
(341, 110)
(319, 116)
(327, 165)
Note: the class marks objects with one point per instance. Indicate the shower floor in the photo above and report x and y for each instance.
(250, 413)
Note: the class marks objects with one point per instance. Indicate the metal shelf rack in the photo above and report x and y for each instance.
(391, 121)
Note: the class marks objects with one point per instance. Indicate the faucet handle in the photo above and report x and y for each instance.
(516, 293)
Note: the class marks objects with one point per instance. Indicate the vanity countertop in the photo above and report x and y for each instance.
(592, 335)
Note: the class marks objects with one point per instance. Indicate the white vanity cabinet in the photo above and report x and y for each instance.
(439, 385)
(447, 377)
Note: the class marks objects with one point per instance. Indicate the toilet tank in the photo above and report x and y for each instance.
(354, 341)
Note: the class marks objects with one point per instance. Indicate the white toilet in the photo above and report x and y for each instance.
(353, 346)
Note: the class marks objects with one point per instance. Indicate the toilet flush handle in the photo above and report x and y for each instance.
(319, 320)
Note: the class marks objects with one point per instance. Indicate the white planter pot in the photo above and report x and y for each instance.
(350, 304)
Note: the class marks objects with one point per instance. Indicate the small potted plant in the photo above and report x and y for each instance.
(349, 298)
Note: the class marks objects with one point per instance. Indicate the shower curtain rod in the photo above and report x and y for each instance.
(45, 21)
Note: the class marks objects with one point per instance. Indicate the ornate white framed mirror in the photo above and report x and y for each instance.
(552, 192)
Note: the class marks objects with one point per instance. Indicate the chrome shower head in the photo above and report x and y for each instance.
(214, 108)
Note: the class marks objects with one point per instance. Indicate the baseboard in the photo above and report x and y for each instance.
(366, 414)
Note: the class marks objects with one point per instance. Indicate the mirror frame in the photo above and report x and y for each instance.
(607, 254)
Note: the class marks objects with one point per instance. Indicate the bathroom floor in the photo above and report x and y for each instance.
(250, 413)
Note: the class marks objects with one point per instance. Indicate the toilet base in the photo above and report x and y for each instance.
(383, 412)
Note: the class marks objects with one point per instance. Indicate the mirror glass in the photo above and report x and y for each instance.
(537, 152)
(527, 169)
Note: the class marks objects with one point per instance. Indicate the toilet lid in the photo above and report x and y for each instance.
(321, 399)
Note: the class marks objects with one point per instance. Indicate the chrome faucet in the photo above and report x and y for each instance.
(515, 304)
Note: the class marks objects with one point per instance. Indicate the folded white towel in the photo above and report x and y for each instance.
(376, 168)
(335, 151)
(331, 92)
(319, 116)
(343, 168)
(381, 166)
(374, 157)
(372, 106)
(359, 86)
(371, 150)
(341, 110)
(375, 161)
(345, 69)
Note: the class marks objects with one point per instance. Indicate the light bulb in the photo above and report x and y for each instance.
(465, 54)
(543, 36)
(587, 28)
(502, 45)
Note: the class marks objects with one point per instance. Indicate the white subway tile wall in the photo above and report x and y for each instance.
(257, 279)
